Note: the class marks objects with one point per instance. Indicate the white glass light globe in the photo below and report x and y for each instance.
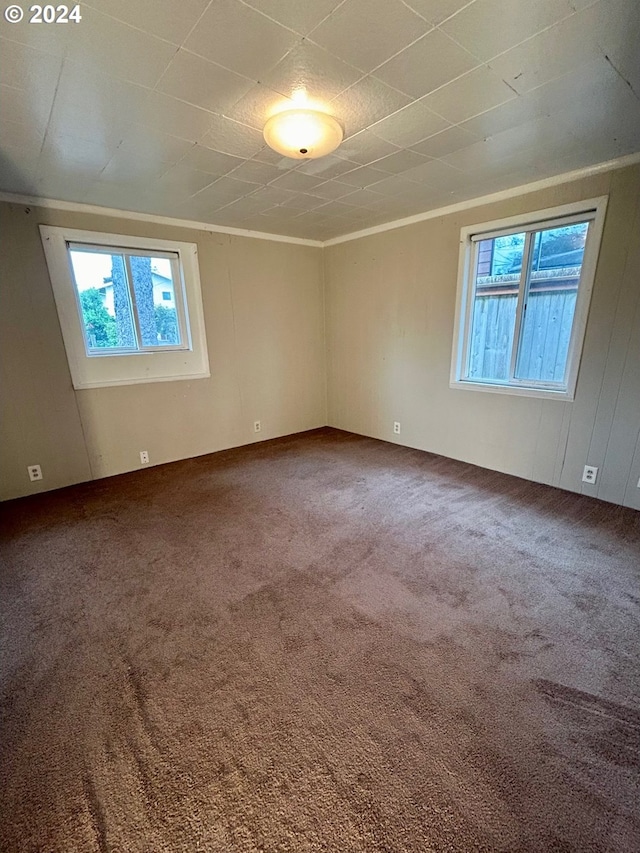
(303, 134)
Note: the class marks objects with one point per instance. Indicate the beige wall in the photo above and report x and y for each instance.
(389, 311)
(390, 315)
(263, 305)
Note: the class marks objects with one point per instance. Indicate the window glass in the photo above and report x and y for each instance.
(158, 321)
(551, 303)
(494, 307)
(128, 300)
(104, 300)
(164, 300)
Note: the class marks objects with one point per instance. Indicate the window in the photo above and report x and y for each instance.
(130, 309)
(523, 297)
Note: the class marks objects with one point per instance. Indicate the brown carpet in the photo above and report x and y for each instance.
(319, 643)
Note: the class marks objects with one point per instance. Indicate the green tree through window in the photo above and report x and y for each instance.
(100, 326)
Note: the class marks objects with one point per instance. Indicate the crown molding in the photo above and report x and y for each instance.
(80, 207)
(501, 195)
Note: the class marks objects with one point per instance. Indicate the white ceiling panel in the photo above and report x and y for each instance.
(165, 19)
(169, 115)
(428, 64)
(22, 140)
(231, 137)
(14, 107)
(475, 92)
(550, 54)
(29, 79)
(445, 142)
(436, 11)
(359, 31)
(29, 69)
(365, 147)
(257, 172)
(126, 166)
(400, 161)
(332, 190)
(488, 153)
(312, 69)
(50, 39)
(18, 171)
(410, 125)
(240, 38)
(118, 49)
(489, 27)
(363, 197)
(438, 174)
(275, 195)
(512, 113)
(65, 156)
(327, 167)
(536, 134)
(278, 215)
(92, 106)
(246, 206)
(363, 176)
(214, 162)
(588, 94)
(392, 185)
(66, 186)
(617, 28)
(297, 181)
(301, 17)
(365, 103)
(337, 208)
(182, 181)
(304, 201)
(108, 194)
(257, 105)
(158, 106)
(198, 81)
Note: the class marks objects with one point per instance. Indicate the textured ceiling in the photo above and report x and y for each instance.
(158, 106)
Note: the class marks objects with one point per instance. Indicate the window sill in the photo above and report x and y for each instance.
(515, 390)
(108, 383)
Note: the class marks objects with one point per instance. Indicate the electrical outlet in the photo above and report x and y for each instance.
(35, 472)
(590, 474)
(639, 484)
(396, 427)
(257, 426)
(144, 457)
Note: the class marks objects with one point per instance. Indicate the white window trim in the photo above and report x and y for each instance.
(462, 324)
(161, 365)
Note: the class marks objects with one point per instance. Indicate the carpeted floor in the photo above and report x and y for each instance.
(319, 643)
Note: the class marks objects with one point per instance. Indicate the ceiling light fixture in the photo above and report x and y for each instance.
(303, 134)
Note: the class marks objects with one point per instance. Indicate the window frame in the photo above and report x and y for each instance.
(93, 369)
(470, 236)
